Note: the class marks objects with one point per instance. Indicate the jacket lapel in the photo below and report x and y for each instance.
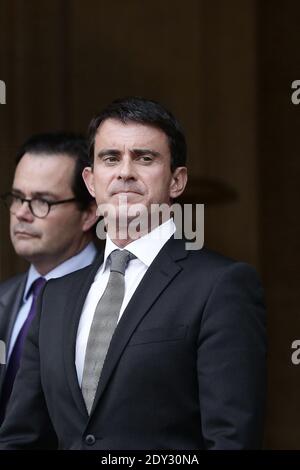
(76, 298)
(10, 302)
(159, 275)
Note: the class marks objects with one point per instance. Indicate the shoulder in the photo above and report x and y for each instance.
(12, 282)
(75, 277)
(209, 261)
(214, 270)
(209, 269)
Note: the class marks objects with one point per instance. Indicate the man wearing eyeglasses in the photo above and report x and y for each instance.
(51, 226)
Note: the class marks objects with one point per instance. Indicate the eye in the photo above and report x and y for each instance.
(110, 159)
(16, 198)
(145, 158)
(40, 202)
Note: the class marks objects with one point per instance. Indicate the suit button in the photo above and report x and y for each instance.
(90, 440)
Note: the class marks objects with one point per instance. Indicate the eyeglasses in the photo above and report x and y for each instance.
(39, 207)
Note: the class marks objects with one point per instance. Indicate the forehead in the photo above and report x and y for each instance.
(43, 173)
(115, 134)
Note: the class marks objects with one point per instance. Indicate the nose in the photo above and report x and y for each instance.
(24, 213)
(126, 169)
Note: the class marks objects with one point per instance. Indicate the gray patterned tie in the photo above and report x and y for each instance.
(103, 325)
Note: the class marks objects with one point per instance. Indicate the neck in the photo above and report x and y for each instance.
(121, 242)
(123, 237)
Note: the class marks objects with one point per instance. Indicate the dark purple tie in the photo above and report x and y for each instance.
(15, 357)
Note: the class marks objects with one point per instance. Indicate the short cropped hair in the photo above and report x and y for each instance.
(66, 143)
(143, 111)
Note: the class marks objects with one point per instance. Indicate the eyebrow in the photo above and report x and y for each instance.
(136, 151)
(37, 194)
(140, 152)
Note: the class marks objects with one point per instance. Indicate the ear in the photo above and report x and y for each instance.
(88, 178)
(178, 182)
(89, 216)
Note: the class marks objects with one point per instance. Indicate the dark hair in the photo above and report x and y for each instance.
(143, 111)
(67, 143)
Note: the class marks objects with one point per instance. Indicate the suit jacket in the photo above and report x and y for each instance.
(185, 369)
(11, 294)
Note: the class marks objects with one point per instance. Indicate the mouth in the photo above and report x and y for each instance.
(24, 235)
(126, 192)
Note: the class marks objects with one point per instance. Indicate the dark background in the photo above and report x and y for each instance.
(225, 68)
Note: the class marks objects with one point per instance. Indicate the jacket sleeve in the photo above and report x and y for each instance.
(231, 361)
(27, 424)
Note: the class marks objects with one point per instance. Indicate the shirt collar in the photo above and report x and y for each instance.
(84, 258)
(145, 248)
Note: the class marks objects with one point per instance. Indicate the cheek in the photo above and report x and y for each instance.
(11, 223)
(102, 191)
(12, 220)
(64, 224)
(52, 228)
(159, 184)
(102, 177)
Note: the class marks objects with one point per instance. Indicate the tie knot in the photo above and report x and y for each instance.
(119, 260)
(37, 286)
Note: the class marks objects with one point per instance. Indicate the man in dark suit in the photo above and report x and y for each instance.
(153, 346)
(52, 230)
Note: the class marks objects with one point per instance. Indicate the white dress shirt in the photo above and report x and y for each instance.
(145, 249)
(81, 260)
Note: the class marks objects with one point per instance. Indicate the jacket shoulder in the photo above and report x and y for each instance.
(208, 260)
(12, 282)
(215, 265)
(76, 276)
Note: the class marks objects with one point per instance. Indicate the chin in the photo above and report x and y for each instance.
(28, 255)
(24, 249)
